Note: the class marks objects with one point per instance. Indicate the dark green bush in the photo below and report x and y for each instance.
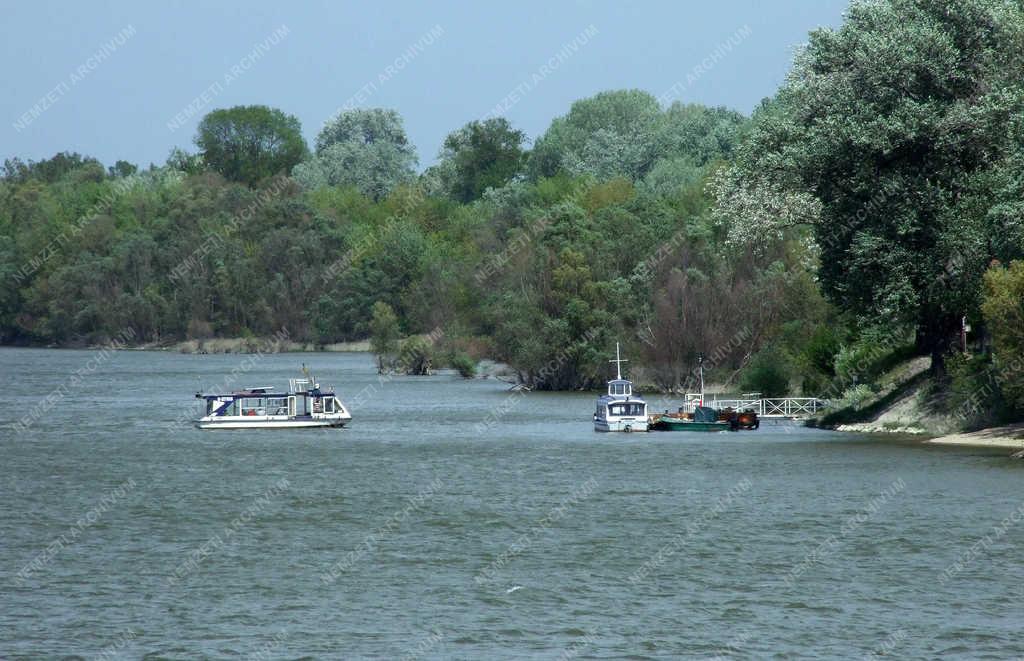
(767, 374)
(463, 364)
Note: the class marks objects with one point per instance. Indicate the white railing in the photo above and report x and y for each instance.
(776, 407)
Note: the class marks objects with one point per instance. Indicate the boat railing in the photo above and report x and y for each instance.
(766, 407)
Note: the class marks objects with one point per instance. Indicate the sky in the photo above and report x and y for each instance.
(129, 80)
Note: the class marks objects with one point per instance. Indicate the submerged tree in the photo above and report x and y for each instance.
(384, 335)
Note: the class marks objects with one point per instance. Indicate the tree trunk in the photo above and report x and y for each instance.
(935, 334)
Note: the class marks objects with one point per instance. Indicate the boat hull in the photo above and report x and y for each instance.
(620, 425)
(293, 423)
(677, 424)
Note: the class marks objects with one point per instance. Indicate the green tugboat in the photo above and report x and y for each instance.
(704, 418)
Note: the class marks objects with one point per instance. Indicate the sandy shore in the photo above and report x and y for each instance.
(1010, 437)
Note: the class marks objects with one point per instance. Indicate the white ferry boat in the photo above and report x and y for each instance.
(304, 405)
(620, 409)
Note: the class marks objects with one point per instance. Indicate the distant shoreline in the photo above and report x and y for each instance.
(221, 345)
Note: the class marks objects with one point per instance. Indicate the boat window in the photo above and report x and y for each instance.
(318, 405)
(619, 388)
(626, 408)
(254, 406)
(329, 405)
(277, 406)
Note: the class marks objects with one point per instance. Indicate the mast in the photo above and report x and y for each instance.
(618, 363)
(700, 367)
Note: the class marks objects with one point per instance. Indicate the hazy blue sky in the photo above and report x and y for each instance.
(120, 103)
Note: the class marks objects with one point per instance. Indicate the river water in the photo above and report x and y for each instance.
(453, 519)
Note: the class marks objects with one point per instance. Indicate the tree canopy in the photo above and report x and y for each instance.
(885, 139)
(250, 143)
(480, 155)
(363, 148)
(854, 213)
(625, 133)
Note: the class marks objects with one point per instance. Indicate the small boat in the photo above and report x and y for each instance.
(303, 405)
(704, 418)
(740, 420)
(620, 409)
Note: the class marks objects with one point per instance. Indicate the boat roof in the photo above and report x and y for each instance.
(263, 393)
(621, 398)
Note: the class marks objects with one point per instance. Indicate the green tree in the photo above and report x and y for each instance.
(384, 335)
(367, 149)
(1003, 308)
(878, 140)
(250, 143)
(607, 135)
(482, 155)
(182, 161)
(766, 374)
(122, 169)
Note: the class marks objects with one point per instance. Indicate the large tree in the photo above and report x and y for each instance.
(881, 139)
(610, 134)
(625, 133)
(364, 148)
(479, 156)
(250, 143)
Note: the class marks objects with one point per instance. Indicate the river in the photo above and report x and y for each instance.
(454, 519)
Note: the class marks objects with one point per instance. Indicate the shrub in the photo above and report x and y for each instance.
(974, 395)
(1003, 309)
(767, 374)
(854, 397)
(463, 364)
(415, 357)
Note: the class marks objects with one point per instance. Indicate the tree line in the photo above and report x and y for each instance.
(877, 194)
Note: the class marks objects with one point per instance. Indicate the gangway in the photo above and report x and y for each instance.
(766, 407)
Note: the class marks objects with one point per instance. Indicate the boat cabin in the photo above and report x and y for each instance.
(620, 388)
(303, 405)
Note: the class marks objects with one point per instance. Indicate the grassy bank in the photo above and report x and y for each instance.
(900, 400)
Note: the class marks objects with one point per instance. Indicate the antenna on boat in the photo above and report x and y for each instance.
(618, 362)
(700, 366)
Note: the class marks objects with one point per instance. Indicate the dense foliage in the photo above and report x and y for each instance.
(805, 248)
(1003, 308)
(364, 149)
(248, 143)
(893, 138)
(544, 272)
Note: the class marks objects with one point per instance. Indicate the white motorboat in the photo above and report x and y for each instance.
(303, 405)
(620, 409)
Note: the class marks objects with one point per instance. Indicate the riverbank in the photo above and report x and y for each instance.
(254, 345)
(1009, 437)
(215, 345)
(902, 404)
